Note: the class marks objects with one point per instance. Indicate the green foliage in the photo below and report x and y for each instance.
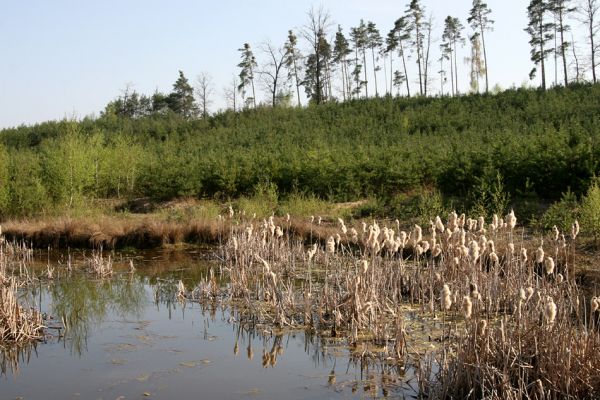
(381, 148)
(300, 204)
(561, 213)
(489, 197)
(590, 211)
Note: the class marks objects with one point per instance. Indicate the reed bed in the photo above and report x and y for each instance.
(512, 320)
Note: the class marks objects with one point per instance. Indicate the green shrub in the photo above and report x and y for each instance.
(590, 212)
(561, 213)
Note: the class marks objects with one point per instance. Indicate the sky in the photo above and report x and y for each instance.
(69, 58)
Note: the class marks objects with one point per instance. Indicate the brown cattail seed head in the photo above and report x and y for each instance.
(595, 304)
(550, 311)
(446, 298)
(549, 264)
(575, 230)
(467, 307)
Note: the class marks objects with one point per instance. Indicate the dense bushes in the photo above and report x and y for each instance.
(541, 142)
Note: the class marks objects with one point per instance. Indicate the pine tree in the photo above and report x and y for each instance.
(293, 58)
(451, 36)
(480, 22)
(181, 99)
(341, 51)
(247, 65)
(561, 9)
(359, 39)
(540, 32)
(374, 42)
(415, 15)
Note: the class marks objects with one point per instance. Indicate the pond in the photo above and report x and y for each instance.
(129, 337)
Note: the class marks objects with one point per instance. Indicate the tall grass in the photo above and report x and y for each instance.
(514, 321)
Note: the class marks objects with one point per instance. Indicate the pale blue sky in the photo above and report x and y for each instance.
(70, 57)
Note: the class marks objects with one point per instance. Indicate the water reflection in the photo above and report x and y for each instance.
(84, 306)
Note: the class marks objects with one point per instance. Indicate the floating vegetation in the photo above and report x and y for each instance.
(500, 324)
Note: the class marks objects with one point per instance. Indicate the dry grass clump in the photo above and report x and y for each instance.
(99, 265)
(116, 232)
(512, 324)
(17, 324)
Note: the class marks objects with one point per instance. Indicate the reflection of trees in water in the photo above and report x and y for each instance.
(82, 304)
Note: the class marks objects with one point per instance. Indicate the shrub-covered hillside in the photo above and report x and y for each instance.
(531, 143)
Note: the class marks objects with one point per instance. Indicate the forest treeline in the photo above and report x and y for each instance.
(531, 144)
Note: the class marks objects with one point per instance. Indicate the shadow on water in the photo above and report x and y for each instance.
(136, 321)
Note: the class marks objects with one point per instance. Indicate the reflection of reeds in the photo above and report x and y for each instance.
(12, 356)
(508, 321)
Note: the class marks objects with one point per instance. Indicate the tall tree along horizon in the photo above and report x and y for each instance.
(480, 23)
(541, 32)
(247, 65)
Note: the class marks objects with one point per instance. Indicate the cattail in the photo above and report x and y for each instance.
(494, 258)
(319, 221)
(467, 306)
(403, 238)
(529, 291)
(330, 245)
(481, 224)
(524, 254)
(397, 224)
(539, 254)
(338, 238)
(425, 245)
(511, 220)
(452, 220)
(287, 217)
(437, 250)
(312, 219)
(482, 327)
(555, 232)
(354, 235)
(574, 229)
(180, 290)
(249, 230)
(364, 266)
(549, 264)
(446, 298)
(474, 291)
(278, 232)
(550, 311)
(562, 241)
(463, 251)
(559, 278)
(491, 246)
(595, 304)
(522, 294)
(474, 251)
(439, 225)
(482, 243)
(231, 213)
(511, 248)
(312, 252)
(418, 234)
(235, 243)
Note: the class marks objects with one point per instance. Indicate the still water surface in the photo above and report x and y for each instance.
(129, 338)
